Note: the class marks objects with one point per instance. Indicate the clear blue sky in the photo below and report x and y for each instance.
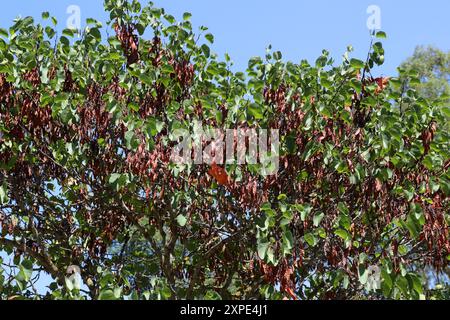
(299, 28)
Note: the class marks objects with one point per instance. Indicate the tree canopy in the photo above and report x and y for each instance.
(432, 67)
(357, 209)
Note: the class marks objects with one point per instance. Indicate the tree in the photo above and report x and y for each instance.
(432, 68)
(359, 204)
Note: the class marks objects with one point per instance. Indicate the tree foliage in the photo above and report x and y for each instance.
(432, 67)
(86, 132)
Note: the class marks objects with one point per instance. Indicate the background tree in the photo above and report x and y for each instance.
(357, 209)
(432, 67)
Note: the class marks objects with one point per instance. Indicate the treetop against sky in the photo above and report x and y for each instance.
(300, 29)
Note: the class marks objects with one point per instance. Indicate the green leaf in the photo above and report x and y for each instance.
(345, 221)
(140, 28)
(409, 194)
(270, 255)
(64, 41)
(212, 295)
(446, 110)
(4, 33)
(363, 275)
(50, 32)
(187, 16)
(114, 56)
(114, 177)
(254, 61)
(25, 271)
(68, 32)
(445, 186)
(256, 111)
(387, 279)
(117, 292)
(96, 33)
(107, 294)
(310, 239)
(4, 193)
(131, 140)
(288, 240)
(206, 50)
(277, 55)
(304, 210)
(342, 207)
(282, 197)
(209, 37)
(317, 219)
(402, 283)
(133, 106)
(357, 64)
(381, 35)
(91, 21)
(342, 234)
(155, 126)
(411, 225)
(181, 219)
(262, 249)
(416, 283)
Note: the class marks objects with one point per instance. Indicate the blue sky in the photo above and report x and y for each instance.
(298, 28)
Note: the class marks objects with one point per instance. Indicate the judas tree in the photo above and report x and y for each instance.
(357, 208)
